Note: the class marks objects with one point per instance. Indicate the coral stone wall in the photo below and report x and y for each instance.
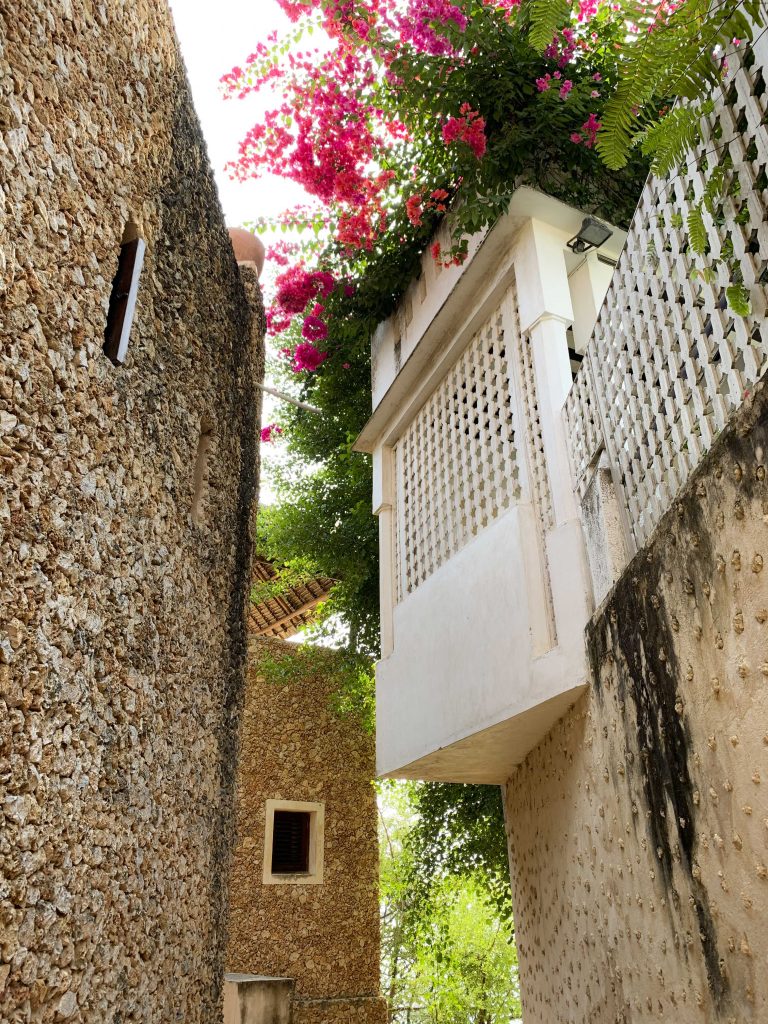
(121, 621)
(325, 936)
(639, 828)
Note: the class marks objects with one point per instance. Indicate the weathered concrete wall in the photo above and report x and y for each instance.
(639, 828)
(121, 621)
(325, 936)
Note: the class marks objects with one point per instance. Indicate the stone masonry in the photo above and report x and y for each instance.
(122, 645)
(294, 746)
(639, 827)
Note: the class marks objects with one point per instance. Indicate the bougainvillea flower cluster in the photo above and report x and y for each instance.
(468, 127)
(343, 128)
(270, 433)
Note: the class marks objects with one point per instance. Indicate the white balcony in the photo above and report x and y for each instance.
(497, 479)
(484, 587)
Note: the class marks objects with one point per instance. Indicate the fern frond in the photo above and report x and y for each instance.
(714, 189)
(739, 299)
(668, 140)
(547, 16)
(697, 231)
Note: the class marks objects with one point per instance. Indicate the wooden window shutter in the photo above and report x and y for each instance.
(122, 301)
(290, 842)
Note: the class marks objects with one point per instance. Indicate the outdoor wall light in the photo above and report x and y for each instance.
(592, 234)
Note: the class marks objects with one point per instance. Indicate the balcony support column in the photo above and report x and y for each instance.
(546, 313)
(384, 508)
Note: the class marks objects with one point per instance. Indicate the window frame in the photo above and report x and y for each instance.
(314, 874)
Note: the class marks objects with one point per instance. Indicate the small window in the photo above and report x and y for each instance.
(290, 842)
(293, 842)
(122, 300)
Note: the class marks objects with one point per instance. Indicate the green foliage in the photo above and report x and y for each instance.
(350, 674)
(448, 953)
(666, 56)
(697, 230)
(293, 573)
(546, 17)
(738, 299)
(668, 139)
(460, 830)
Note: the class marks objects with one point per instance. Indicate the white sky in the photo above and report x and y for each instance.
(215, 37)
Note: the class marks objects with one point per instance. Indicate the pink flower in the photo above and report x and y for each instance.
(435, 251)
(307, 357)
(565, 88)
(575, 137)
(542, 84)
(590, 128)
(469, 128)
(313, 328)
(269, 433)
(414, 210)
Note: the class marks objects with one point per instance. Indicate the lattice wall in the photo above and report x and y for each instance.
(457, 462)
(669, 363)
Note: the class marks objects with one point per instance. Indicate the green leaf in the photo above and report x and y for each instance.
(739, 300)
(697, 231)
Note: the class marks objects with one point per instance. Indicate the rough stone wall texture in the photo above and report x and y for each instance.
(325, 936)
(639, 828)
(122, 644)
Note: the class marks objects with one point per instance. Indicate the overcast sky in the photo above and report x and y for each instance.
(215, 37)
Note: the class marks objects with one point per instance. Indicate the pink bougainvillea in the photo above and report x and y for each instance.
(468, 127)
(414, 210)
(588, 133)
(307, 357)
(313, 328)
(270, 432)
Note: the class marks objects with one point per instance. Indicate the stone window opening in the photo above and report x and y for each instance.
(122, 299)
(293, 842)
(200, 479)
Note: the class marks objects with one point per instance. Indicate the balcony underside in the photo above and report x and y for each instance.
(491, 755)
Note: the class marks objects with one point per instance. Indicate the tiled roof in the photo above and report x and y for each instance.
(292, 610)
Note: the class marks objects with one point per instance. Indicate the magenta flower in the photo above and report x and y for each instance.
(314, 329)
(307, 357)
(270, 432)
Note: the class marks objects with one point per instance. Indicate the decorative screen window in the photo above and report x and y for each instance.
(293, 842)
(456, 463)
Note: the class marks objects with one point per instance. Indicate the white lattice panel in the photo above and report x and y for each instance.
(537, 463)
(670, 362)
(582, 425)
(457, 462)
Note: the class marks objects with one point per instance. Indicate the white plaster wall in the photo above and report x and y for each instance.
(463, 655)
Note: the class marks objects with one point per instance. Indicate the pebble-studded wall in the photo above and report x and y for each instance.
(121, 620)
(294, 746)
(639, 828)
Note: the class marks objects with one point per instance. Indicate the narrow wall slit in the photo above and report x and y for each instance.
(200, 479)
(122, 299)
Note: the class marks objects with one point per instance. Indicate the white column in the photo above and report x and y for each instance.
(552, 369)
(383, 508)
(546, 313)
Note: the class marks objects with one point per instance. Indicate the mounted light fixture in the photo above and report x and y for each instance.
(592, 234)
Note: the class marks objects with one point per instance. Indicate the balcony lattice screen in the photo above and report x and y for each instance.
(669, 362)
(458, 462)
